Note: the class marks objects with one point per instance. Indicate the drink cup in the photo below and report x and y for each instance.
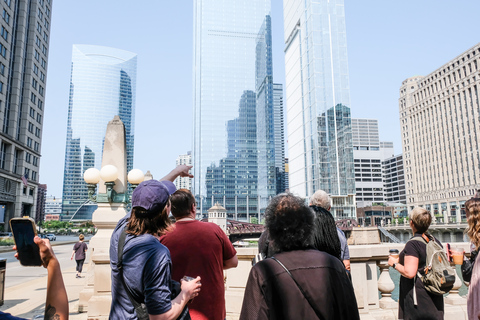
(394, 253)
(457, 255)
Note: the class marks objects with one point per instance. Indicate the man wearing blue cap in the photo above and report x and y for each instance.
(141, 265)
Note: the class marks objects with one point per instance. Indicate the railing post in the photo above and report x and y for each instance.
(386, 286)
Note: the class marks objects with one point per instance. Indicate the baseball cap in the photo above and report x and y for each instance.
(152, 195)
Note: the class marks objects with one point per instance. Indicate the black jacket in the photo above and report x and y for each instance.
(272, 294)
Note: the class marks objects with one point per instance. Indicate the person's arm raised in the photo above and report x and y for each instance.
(179, 171)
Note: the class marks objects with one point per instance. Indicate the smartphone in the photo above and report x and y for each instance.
(24, 231)
(449, 257)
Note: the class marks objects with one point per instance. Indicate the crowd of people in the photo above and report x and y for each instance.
(172, 267)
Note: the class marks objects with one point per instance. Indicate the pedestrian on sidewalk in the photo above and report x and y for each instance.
(79, 250)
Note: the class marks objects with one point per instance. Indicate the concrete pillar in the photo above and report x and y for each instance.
(105, 218)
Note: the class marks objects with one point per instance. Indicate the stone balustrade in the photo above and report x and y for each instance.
(371, 278)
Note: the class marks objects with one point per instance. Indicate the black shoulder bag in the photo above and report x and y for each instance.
(467, 266)
(300, 288)
(140, 308)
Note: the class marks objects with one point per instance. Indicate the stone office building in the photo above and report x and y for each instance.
(24, 43)
(439, 124)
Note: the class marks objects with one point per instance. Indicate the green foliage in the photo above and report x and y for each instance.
(254, 220)
(6, 242)
(80, 230)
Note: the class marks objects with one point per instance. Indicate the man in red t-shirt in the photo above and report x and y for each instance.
(199, 248)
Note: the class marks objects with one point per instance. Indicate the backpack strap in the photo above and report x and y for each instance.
(139, 307)
(300, 288)
(424, 239)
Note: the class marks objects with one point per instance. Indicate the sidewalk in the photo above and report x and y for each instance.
(28, 299)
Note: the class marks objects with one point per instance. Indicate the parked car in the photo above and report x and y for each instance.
(51, 237)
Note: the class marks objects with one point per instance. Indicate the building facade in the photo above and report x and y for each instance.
(24, 45)
(184, 182)
(53, 205)
(41, 198)
(439, 124)
(368, 162)
(235, 138)
(320, 146)
(102, 85)
(394, 180)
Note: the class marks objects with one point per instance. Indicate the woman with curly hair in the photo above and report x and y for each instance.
(472, 210)
(298, 281)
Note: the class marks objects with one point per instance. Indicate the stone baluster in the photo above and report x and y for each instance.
(386, 286)
(453, 297)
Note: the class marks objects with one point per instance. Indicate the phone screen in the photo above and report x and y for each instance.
(23, 233)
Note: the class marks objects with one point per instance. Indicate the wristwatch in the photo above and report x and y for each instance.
(395, 265)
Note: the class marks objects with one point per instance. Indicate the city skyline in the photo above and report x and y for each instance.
(383, 51)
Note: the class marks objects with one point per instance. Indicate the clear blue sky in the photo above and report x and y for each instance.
(388, 41)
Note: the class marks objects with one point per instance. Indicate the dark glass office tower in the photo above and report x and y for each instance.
(102, 85)
(235, 133)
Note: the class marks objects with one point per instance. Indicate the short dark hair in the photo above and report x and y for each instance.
(289, 222)
(142, 221)
(182, 201)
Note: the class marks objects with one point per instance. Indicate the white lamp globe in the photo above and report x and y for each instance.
(109, 173)
(135, 176)
(91, 176)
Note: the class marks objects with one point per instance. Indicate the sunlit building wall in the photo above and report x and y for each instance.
(24, 51)
(318, 102)
(235, 148)
(102, 85)
(439, 123)
(184, 182)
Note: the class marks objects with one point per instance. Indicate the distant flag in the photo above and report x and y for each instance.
(24, 179)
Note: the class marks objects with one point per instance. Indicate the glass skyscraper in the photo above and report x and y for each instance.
(102, 85)
(318, 102)
(235, 139)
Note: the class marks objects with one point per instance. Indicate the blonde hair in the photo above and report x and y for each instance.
(81, 237)
(472, 210)
(421, 219)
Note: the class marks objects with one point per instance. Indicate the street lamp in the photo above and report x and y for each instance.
(135, 177)
(109, 174)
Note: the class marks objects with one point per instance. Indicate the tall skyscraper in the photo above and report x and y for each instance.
(439, 116)
(24, 44)
(318, 102)
(102, 85)
(236, 142)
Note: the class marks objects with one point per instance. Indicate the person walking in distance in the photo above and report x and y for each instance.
(79, 250)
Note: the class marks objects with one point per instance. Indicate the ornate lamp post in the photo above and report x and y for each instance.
(112, 198)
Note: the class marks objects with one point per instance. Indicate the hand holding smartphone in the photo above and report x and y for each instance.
(24, 231)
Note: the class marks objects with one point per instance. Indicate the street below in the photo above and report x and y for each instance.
(17, 274)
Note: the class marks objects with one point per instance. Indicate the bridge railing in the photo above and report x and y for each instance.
(371, 277)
